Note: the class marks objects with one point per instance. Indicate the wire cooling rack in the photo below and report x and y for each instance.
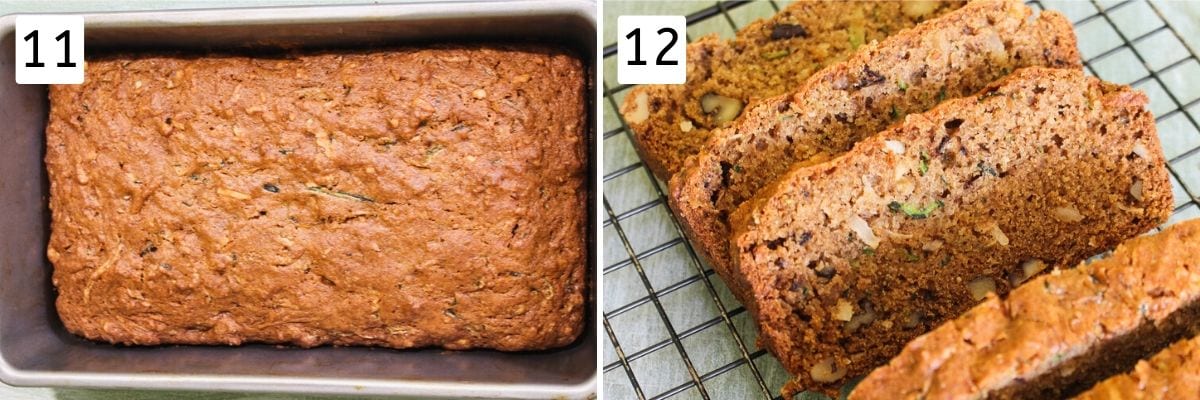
(674, 330)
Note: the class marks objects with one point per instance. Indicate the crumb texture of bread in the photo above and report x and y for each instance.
(407, 197)
(851, 258)
(1062, 331)
(766, 58)
(948, 57)
(1172, 374)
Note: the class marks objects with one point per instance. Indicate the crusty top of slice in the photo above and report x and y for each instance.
(1047, 321)
(1172, 374)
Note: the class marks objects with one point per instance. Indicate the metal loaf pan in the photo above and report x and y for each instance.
(35, 349)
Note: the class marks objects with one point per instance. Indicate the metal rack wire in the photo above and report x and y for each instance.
(645, 289)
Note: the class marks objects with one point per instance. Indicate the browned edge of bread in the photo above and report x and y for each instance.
(1172, 374)
(1058, 334)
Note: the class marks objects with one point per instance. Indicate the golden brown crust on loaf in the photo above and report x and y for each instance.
(402, 198)
(1172, 374)
(1043, 327)
(951, 56)
(897, 230)
(766, 58)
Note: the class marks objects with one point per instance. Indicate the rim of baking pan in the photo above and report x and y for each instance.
(421, 10)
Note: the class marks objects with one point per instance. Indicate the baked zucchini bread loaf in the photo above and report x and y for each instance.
(849, 259)
(1172, 374)
(951, 56)
(766, 58)
(1059, 333)
(403, 198)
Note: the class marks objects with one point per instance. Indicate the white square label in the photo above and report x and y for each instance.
(49, 49)
(651, 49)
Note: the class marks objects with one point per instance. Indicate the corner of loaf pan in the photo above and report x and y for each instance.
(36, 349)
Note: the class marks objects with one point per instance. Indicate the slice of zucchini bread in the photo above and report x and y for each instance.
(1172, 374)
(948, 57)
(849, 259)
(766, 58)
(1057, 334)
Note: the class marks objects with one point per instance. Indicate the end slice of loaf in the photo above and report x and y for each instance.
(849, 259)
(766, 58)
(1057, 334)
(1172, 374)
(948, 57)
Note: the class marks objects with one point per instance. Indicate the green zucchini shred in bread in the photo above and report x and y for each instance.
(767, 58)
(1078, 168)
(1058, 334)
(1172, 374)
(955, 54)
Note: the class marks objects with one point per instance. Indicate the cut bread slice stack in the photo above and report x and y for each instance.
(849, 259)
(1058, 334)
(1172, 374)
(947, 57)
(766, 58)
